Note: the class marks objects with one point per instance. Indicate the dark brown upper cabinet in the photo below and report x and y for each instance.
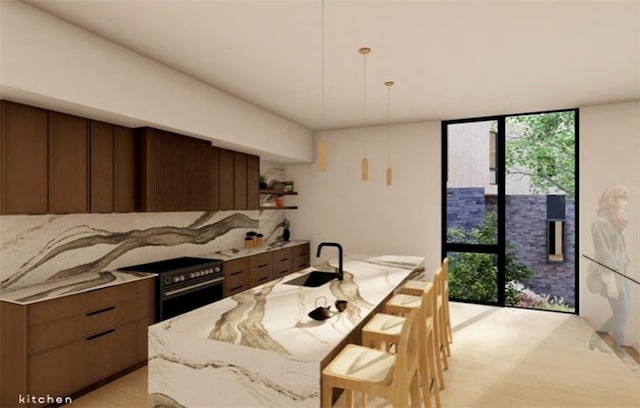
(215, 179)
(174, 170)
(68, 164)
(253, 182)
(194, 174)
(225, 177)
(23, 159)
(101, 186)
(240, 181)
(124, 169)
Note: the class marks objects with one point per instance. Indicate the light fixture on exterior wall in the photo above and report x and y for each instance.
(364, 170)
(322, 144)
(389, 84)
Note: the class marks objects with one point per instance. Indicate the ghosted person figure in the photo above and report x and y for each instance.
(608, 243)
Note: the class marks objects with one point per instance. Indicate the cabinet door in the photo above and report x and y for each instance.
(240, 181)
(13, 352)
(101, 167)
(23, 156)
(215, 179)
(158, 171)
(236, 276)
(226, 184)
(194, 173)
(68, 164)
(124, 170)
(58, 372)
(253, 182)
(300, 257)
(260, 269)
(282, 260)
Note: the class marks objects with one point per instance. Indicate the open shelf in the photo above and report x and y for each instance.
(274, 192)
(284, 207)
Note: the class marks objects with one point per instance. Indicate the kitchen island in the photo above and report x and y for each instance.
(259, 348)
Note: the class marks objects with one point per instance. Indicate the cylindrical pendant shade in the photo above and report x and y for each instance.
(389, 176)
(365, 170)
(322, 155)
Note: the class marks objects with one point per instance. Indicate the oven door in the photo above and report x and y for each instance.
(179, 299)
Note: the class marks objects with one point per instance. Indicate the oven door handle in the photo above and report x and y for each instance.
(188, 288)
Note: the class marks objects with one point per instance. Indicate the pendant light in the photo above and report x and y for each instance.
(322, 144)
(364, 168)
(389, 84)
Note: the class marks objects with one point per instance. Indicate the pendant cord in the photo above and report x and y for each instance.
(364, 98)
(322, 81)
(388, 126)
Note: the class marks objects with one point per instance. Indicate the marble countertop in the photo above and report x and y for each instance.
(56, 288)
(259, 347)
(233, 253)
(95, 280)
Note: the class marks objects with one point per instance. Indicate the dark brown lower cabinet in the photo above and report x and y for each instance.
(260, 269)
(57, 372)
(236, 276)
(282, 262)
(247, 272)
(301, 256)
(60, 346)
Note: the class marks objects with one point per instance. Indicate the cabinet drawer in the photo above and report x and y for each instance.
(100, 299)
(230, 290)
(236, 276)
(55, 309)
(56, 333)
(300, 257)
(260, 269)
(100, 355)
(112, 351)
(100, 321)
(282, 260)
(236, 269)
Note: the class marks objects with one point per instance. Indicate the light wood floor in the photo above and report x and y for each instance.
(500, 358)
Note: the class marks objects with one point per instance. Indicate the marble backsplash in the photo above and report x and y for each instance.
(34, 249)
(37, 248)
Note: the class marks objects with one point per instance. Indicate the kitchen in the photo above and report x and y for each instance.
(62, 67)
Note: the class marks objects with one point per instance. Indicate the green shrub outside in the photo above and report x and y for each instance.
(473, 276)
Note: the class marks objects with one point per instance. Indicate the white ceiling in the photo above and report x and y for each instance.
(449, 59)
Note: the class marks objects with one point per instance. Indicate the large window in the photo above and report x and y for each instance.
(509, 209)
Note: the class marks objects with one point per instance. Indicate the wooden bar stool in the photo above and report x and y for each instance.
(384, 329)
(445, 297)
(415, 288)
(401, 304)
(376, 372)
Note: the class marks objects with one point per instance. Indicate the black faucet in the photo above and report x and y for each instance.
(333, 244)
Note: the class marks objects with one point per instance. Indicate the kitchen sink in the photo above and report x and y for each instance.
(313, 279)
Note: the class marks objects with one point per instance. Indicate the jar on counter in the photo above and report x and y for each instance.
(248, 242)
(259, 239)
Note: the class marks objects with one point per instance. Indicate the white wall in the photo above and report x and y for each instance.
(610, 154)
(369, 217)
(49, 62)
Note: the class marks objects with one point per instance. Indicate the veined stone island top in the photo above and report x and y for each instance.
(259, 348)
